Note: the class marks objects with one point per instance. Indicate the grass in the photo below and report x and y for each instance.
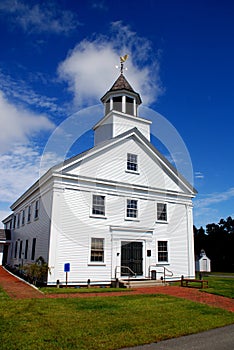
(53, 290)
(102, 323)
(220, 286)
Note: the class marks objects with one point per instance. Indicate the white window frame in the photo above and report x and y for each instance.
(36, 209)
(96, 215)
(23, 217)
(29, 214)
(129, 162)
(163, 262)
(134, 218)
(157, 212)
(102, 250)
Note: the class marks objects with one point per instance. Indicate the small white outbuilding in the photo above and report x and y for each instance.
(203, 263)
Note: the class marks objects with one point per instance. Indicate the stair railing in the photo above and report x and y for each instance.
(169, 274)
(131, 272)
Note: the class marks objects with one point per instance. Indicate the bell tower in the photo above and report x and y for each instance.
(121, 110)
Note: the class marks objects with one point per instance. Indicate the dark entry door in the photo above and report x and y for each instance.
(131, 256)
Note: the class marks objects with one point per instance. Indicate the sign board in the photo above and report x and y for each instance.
(67, 267)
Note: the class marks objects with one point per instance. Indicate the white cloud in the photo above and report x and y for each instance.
(214, 198)
(89, 68)
(44, 17)
(210, 207)
(198, 175)
(18, 124)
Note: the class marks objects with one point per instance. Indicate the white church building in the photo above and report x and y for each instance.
(118, 209)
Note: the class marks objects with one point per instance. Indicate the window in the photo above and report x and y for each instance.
(23, 217)
(16, 248)
(33, 249)
(97, 250)
(20, 249)
(107, 106)
(14, 221)
(132, 211)
(26, 250)
(36, 213)
(132, 162)
(129, 105)
(117, 103)
(29, 213)
(162, 251)
(98, 205)
(18, 221)
(161, 212)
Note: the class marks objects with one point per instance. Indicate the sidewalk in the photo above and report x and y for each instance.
(18, 289)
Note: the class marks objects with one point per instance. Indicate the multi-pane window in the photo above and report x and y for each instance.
(161, 212)
(132, 162)
(18, 220)
(23, 217)
(97, 250)
(14, 221)
(36, 212)
(98, 205)
(20, 249)
(132, 211)
(29, 213)
(26, 250)
(33, 249)
(16, 248)
(162, 251)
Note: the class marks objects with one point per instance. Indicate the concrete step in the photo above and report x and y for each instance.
(132, 283)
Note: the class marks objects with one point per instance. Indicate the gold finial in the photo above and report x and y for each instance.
(122, 60)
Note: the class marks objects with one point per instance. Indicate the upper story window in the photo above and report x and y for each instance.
(98, 207)
(36, 212)
(18, 220)
(29, 213)
(23, 217)
(161, 212)
(14, 221)
(132, 210)
(132, 162)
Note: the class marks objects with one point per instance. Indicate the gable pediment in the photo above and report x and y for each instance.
(108, 160)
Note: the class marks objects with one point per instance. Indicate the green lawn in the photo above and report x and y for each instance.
(52, 290)
(102, 323)
(220, 285)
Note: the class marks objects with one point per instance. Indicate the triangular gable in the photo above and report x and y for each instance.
(101, 152)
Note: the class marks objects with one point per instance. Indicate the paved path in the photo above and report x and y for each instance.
(215, 339)
(18, 289)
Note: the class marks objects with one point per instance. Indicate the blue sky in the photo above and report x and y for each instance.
(59, 57)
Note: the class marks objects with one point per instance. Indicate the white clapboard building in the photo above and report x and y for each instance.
(117, 209)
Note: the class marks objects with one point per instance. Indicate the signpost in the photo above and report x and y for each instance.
(66, 269)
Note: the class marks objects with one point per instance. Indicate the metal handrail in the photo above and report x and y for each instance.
(164, 271)
(125, 267)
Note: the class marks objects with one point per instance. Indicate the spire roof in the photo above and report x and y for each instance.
(119, 85)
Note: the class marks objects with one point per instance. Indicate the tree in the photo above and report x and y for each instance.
(38, 271)
(218, 243)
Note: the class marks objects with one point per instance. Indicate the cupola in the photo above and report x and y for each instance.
(120, 114)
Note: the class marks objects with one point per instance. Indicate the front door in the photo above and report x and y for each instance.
(131, 256)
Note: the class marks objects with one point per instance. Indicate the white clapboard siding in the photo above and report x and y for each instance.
(112, 164)
(77, 226)
(37, 228)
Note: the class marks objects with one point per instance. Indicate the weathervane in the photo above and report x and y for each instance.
(122, 60)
